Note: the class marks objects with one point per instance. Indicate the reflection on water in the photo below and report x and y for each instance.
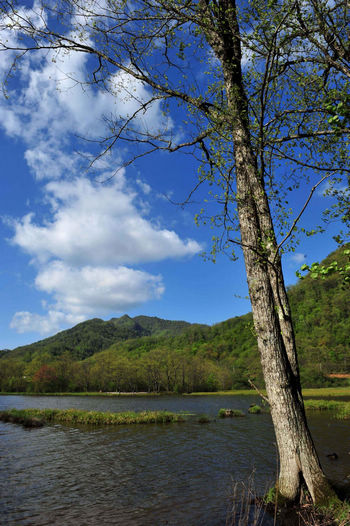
(151, 475)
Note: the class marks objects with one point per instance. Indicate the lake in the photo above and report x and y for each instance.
(144, 475)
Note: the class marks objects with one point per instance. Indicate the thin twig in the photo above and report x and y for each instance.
(296, 220)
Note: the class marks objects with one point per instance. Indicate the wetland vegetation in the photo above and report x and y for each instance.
(35, 416)
(96, 418)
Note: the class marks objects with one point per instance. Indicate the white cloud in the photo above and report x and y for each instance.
(46, 162)
(98, 225)
(145, 188)
(10, 37)
(298, 257)
(333, 187)
(25, 321)
(92, 233)
(10, 122)
(80, 293)
(87, 290)
(52, 103)
(94, 230)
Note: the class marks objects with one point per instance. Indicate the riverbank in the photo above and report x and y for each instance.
(320, 392)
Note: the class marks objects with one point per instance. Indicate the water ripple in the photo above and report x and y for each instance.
(179, 474)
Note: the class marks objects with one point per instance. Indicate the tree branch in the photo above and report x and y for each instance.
(297, 219)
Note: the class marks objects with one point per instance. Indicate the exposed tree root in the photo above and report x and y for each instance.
(305, 513)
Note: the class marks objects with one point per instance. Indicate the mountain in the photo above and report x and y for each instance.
(158, 326)
(149, 353)
(89, 337)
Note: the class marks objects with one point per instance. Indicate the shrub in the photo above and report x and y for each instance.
(229, 413)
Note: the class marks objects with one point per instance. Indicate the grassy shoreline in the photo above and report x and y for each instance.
(77, 416)
(340, 409)
(320, 392)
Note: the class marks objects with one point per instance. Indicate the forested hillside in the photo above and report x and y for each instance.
(89, 337)
(151, 354)
(321, 317)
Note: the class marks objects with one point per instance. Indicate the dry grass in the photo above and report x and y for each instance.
(246, 508)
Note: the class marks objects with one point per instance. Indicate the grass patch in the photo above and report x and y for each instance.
(74, 416)
(340, 409)
(305, 513)
(342, 514)
(21, 418)
(230, 413)
(255, 409)
(203, 419)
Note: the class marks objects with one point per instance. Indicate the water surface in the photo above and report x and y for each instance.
(143, 475)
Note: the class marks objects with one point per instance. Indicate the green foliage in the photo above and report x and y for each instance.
(310, 376)
(20, 417)
(317, 271)
(341, 513)
(270, 496)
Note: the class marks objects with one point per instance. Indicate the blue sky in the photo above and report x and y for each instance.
(77, 244)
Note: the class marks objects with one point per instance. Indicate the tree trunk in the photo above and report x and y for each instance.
(298, 459)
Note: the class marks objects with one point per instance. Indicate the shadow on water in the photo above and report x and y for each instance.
(143, 475)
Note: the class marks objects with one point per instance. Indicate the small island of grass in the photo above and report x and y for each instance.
(74, 416)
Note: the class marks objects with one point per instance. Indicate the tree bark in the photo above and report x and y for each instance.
(271, 313)
(298, 458)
